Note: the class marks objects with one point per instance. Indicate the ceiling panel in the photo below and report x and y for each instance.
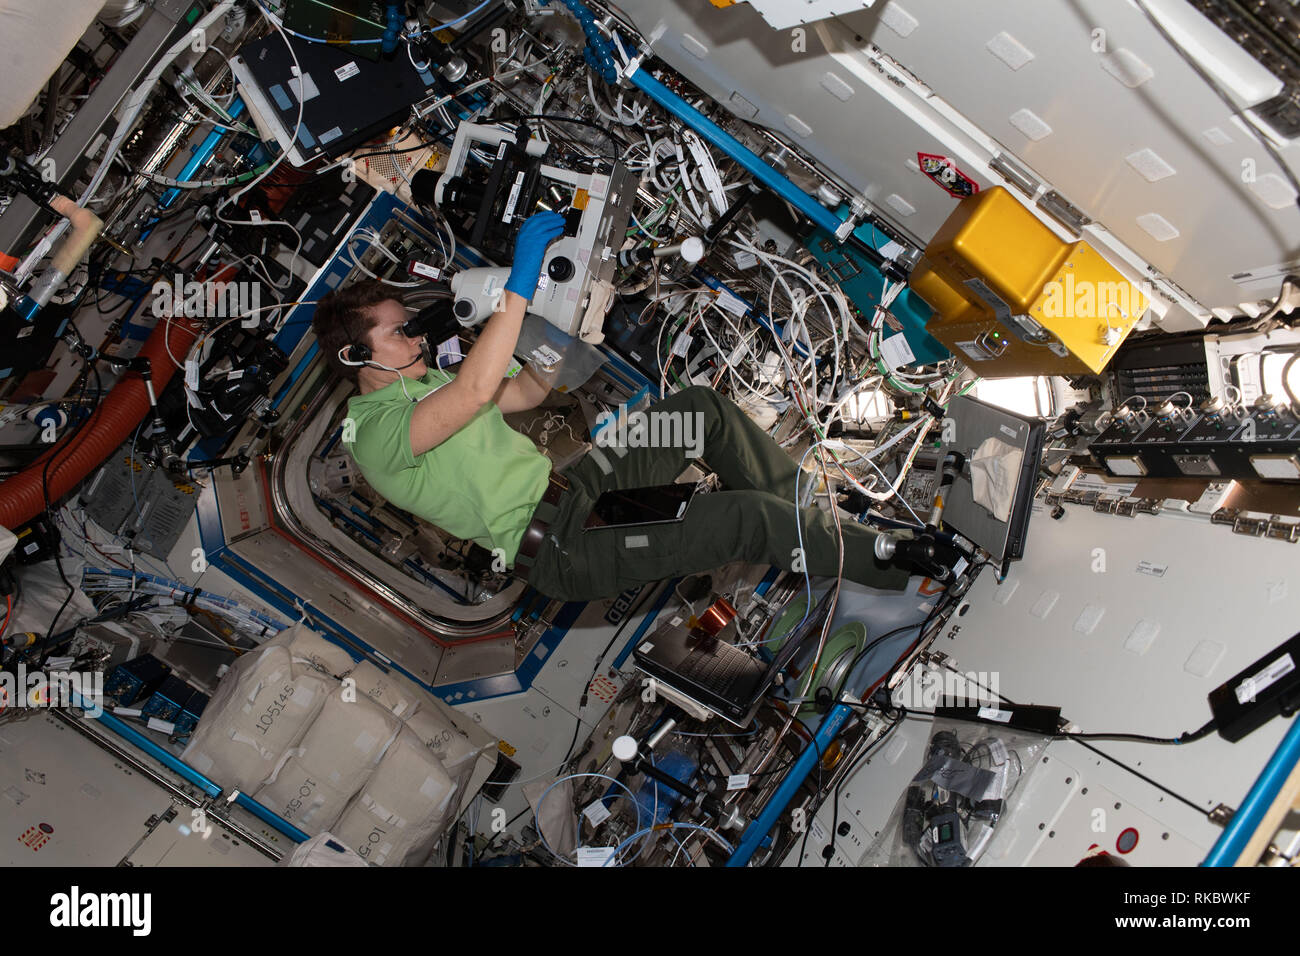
(1127, 133)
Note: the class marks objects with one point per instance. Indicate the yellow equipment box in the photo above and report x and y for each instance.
(1010, 298)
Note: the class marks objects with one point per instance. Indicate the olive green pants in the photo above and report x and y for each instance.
(753, 519)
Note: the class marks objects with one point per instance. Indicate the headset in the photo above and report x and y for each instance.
(358, 354)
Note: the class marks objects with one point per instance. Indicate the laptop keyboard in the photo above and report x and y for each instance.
(716, 670)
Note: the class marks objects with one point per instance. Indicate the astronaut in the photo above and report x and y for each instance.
(435, 444)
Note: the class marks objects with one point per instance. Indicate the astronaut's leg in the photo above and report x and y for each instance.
(694, 423)
(725, 526)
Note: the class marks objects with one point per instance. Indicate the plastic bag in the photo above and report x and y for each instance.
(972, 777)
(558, 359)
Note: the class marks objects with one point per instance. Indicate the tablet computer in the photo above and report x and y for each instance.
(657, 504)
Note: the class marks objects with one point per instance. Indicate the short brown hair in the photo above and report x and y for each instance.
(345, 316)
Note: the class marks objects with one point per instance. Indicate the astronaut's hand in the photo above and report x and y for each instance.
(530, 249)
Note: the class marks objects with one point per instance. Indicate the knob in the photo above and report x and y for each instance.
(625, 748)
(454, 69)
(560, 269)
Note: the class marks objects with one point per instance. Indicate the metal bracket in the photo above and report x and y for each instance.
(1254, 527)
(858, 209)
(1221, 815)
(1014, 174)
(1282, 530)
(1063, 211)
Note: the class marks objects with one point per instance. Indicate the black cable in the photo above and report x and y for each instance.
(789, 762)
(1196, 735)
(572, 119)
(871, 645)
(871, 747)
(556, 117)
(392, 152)
(934, 612)
(1187, 737)
(497, 836)
(582, 702)
(89, 366)
(808, 824)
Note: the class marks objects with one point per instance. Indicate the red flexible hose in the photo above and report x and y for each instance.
(110, 424)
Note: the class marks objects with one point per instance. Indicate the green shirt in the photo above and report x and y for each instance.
(481, 484)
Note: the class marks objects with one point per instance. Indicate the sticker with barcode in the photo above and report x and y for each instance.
(992, 713)
(347, 71)
(513, 198)
(1155, 570)
(594, 855)
(738, 781)
(597, 813)
(1251, 687)
(192, 374)
(545, 355)
(732, 304)
(746, 260)
(427, 271)
(682, 343)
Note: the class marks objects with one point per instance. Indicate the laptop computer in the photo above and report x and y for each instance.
(715, 673)
(346, 100)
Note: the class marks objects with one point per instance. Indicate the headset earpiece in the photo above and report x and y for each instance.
(355, 353)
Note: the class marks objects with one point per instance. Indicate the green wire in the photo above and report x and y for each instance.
(655, 217)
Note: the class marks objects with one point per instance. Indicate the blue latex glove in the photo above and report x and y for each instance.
(530, 249)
